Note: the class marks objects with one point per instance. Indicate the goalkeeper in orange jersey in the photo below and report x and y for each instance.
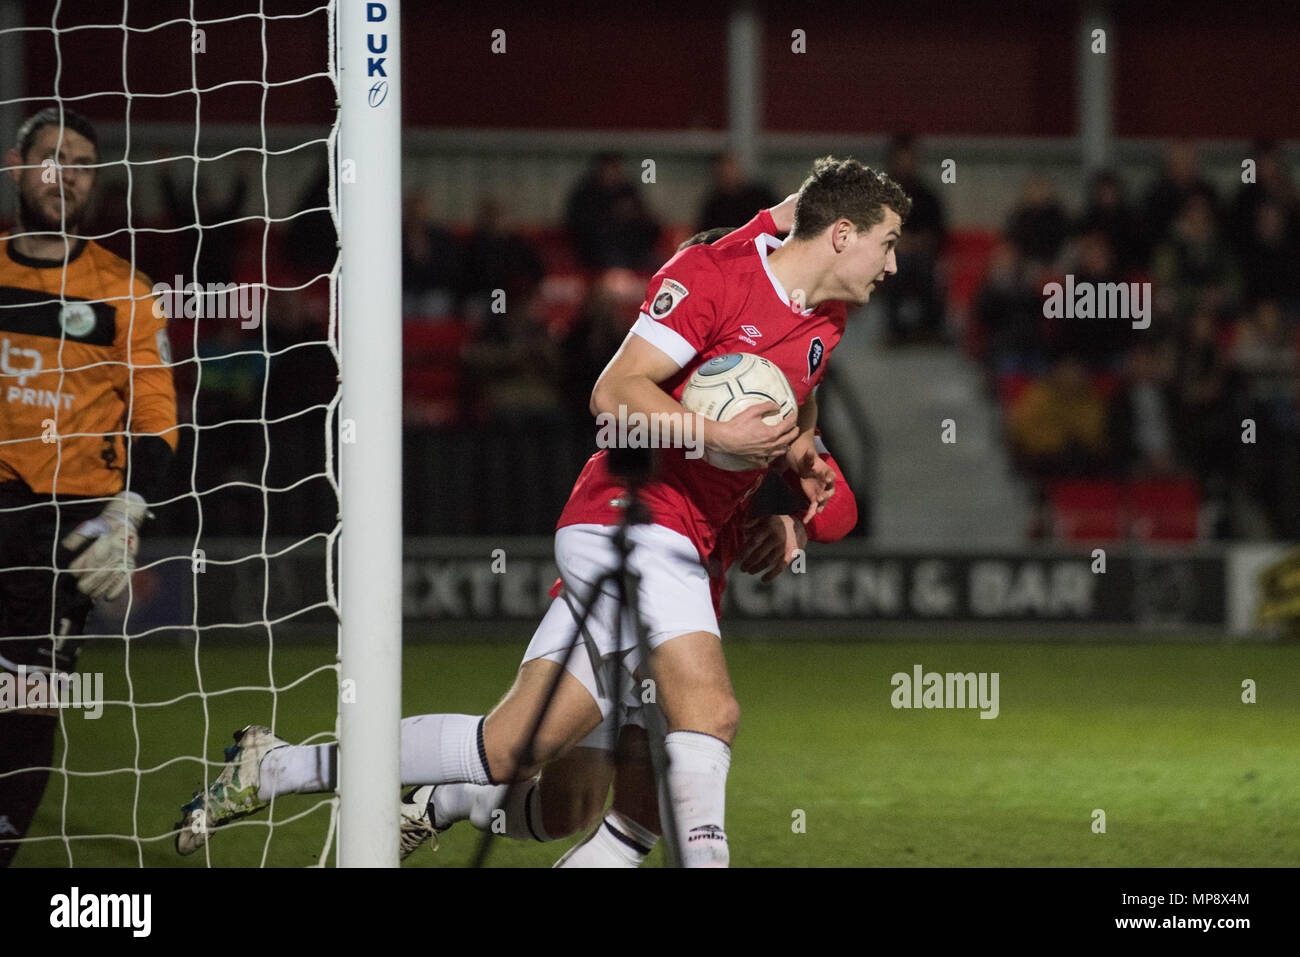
(87, 433)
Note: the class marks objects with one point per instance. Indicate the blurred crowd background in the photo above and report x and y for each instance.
(1080, 398)
(533, 217)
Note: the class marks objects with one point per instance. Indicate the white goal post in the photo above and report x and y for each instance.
(369, 175)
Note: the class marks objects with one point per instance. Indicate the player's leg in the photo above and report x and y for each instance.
(26, 752)
(630, 828)
(693, 688)
(452, 748)
(497, 748)
(435, 749)
(579, 650)
(563, 800)
(36, 635)
(702, 715)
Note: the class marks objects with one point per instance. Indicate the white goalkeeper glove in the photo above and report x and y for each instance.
(105, 567)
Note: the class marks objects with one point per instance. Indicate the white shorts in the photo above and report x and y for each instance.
(674, 599)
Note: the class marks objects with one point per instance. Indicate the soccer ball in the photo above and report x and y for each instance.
(726, 385)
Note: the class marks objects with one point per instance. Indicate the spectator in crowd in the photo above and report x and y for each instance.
(209, 217)
(1180, 179)
(1273, 185)
(1106, 212)
(1270, 256)
(607, 220)
(912, 300)
(514, 368)
(1194, 263)
(1038, 225)
(496, 258)
(1142, 422)
(1204, 391)
(1264, 355)
(431, 261)
(311, 241)
(1098, 342)
(1009, 311)
(732, 199)
(1057, 426)
(602, 322)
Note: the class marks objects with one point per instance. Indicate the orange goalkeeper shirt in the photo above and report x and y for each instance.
(84, 368)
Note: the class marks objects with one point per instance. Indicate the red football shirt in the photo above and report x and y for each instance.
(708, 301)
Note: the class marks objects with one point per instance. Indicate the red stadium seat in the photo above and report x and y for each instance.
(560, 295)
(1107, 384)
(431, 370)
(966, 260)
(1164, 510)
(1087, 510)
(552, 244)
(1010, 386)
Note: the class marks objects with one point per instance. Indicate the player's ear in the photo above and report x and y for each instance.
(13, 159)
(841, 230)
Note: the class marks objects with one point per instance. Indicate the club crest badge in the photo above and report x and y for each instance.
(77, 319)
(816, 350)
(666, 299)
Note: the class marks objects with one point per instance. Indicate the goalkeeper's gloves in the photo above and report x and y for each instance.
(105, 566)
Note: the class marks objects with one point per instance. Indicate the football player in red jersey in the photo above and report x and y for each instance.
(787, 301)
(573, 788)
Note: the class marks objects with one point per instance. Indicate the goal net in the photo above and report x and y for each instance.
(219, 178)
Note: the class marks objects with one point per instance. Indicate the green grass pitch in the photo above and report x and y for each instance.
(1156, 736)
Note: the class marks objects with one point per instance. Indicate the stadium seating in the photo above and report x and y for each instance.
(1101, 510)
(431, 370)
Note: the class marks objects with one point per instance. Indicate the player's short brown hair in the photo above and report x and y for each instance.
(845, 188)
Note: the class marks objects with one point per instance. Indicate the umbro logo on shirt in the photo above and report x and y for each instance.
(750, 334)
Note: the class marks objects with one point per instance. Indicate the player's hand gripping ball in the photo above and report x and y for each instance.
(727, 385)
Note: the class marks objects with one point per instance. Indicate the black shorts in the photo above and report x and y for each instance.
(41, 611)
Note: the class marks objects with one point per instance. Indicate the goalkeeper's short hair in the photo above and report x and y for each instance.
(54, 116)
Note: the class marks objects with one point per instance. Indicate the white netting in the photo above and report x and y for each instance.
(216, 126)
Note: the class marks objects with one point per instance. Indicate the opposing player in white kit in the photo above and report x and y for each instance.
(782, 301)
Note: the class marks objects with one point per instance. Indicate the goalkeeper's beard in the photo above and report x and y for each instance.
(32, 219)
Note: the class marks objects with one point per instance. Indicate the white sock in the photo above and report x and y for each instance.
(697, 785)
(443, 749)
(618, 841)
(297, 769)
(521, 809)
(452, 803)
(523, 813)
(436, 748)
